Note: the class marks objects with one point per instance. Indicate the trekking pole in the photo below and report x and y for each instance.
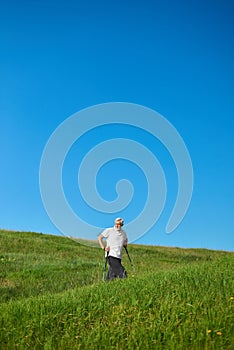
(130, 259)
(104, 270)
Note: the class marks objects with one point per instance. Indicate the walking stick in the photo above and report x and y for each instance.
(104, 269)
(130, 259)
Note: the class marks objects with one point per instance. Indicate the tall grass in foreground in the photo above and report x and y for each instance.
(188, 306)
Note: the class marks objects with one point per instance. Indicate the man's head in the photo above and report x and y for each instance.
(119, 222)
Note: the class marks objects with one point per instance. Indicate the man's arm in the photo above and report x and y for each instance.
(125, 243)
(100, 238)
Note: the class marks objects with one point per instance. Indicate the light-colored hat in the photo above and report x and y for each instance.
(120, 219)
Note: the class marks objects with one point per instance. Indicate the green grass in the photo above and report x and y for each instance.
(52, 297)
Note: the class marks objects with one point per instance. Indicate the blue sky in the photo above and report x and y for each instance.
(174, 57)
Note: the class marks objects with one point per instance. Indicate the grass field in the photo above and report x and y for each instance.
(52, 297)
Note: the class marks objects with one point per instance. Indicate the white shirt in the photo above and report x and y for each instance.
(115, 239)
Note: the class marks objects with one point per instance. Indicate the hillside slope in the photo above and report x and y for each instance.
(52, 297)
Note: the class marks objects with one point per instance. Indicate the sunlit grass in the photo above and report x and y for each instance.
(53, 298)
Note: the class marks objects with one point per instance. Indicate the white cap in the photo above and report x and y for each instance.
(120, 219)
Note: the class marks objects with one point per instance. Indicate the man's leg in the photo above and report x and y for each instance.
(116, 269)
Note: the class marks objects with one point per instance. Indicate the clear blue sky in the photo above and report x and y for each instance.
(175, 57)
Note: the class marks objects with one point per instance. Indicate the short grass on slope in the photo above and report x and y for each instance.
(178, 299)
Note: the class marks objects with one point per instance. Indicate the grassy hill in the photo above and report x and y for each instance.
(52, 297)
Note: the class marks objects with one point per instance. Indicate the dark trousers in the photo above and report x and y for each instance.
(116, 269)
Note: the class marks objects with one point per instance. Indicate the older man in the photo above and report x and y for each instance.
(116, 239)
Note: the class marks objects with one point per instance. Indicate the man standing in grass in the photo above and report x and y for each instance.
(116, 239)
